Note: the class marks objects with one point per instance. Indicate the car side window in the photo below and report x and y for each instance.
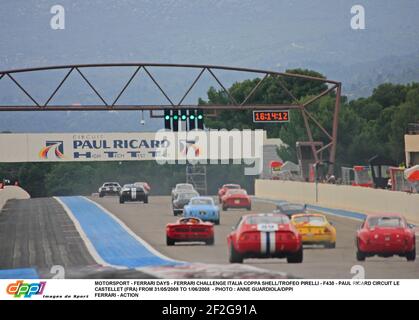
(238, 223)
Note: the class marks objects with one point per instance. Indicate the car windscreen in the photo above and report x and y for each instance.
(202, 201)
(110, 185)
(267, 219)
(184, 187)
(312, 220)
(190, 220)
(232, 186)
(187, 195)
(386, 222)
(128, 186)
(237, 191)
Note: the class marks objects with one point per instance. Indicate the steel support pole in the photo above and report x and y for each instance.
(332, 156)
(309, 134)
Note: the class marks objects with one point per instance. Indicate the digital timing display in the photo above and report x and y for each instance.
(271, 116)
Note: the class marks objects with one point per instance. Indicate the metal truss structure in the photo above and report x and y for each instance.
(332, 86)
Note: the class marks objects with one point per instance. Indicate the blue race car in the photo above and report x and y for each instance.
(202, 208)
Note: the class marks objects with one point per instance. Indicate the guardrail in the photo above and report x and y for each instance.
(12, 192)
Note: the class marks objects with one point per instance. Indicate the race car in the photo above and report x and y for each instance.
(202, 208)
(386, 235)
(181, 200)
(265, 235)
(222, 191)
(181, 187)
(189, 230)
(315, 229)
(290, 209)
(236, 198)
(145, 185)
(130, 192)
(109, 189)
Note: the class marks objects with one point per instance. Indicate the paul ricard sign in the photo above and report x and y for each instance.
(162, 146)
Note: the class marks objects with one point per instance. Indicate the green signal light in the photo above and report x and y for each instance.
(200, 117)
(175, 117)
(192, 117)
(167, 117)
(183, 117)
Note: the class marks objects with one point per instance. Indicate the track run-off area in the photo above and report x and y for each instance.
(82, 233)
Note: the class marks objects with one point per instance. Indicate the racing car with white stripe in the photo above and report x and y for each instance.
(131, 192)
(265, 235)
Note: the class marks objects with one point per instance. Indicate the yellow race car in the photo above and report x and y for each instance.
(315, 229)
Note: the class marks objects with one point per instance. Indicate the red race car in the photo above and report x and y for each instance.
(265, 235)
(385, 235)
(189, 230)
(222, 191)
(236, 198)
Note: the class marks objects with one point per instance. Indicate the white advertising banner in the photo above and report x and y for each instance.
(161, 146)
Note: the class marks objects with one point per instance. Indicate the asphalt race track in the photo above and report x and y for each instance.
(148, 221)
(37, 234)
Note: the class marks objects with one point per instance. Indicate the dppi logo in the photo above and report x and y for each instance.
(55, 148)
(189, 145)
(27, 290)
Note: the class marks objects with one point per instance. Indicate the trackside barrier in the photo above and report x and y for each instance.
(358, 199)
(12, 192)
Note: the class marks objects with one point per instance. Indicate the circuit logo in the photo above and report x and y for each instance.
(20, 289)
(52, 148)
(187, 146)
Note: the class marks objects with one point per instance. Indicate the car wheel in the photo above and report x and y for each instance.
(121, 200)
(411, 256)
(100, 195)
(174, 213)
(210, 242)
(235, 257)
(217, 222)
(146, 200)
(225, 208)
(296, 257)
(360, 256)
(170, 242)
(249, 208)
